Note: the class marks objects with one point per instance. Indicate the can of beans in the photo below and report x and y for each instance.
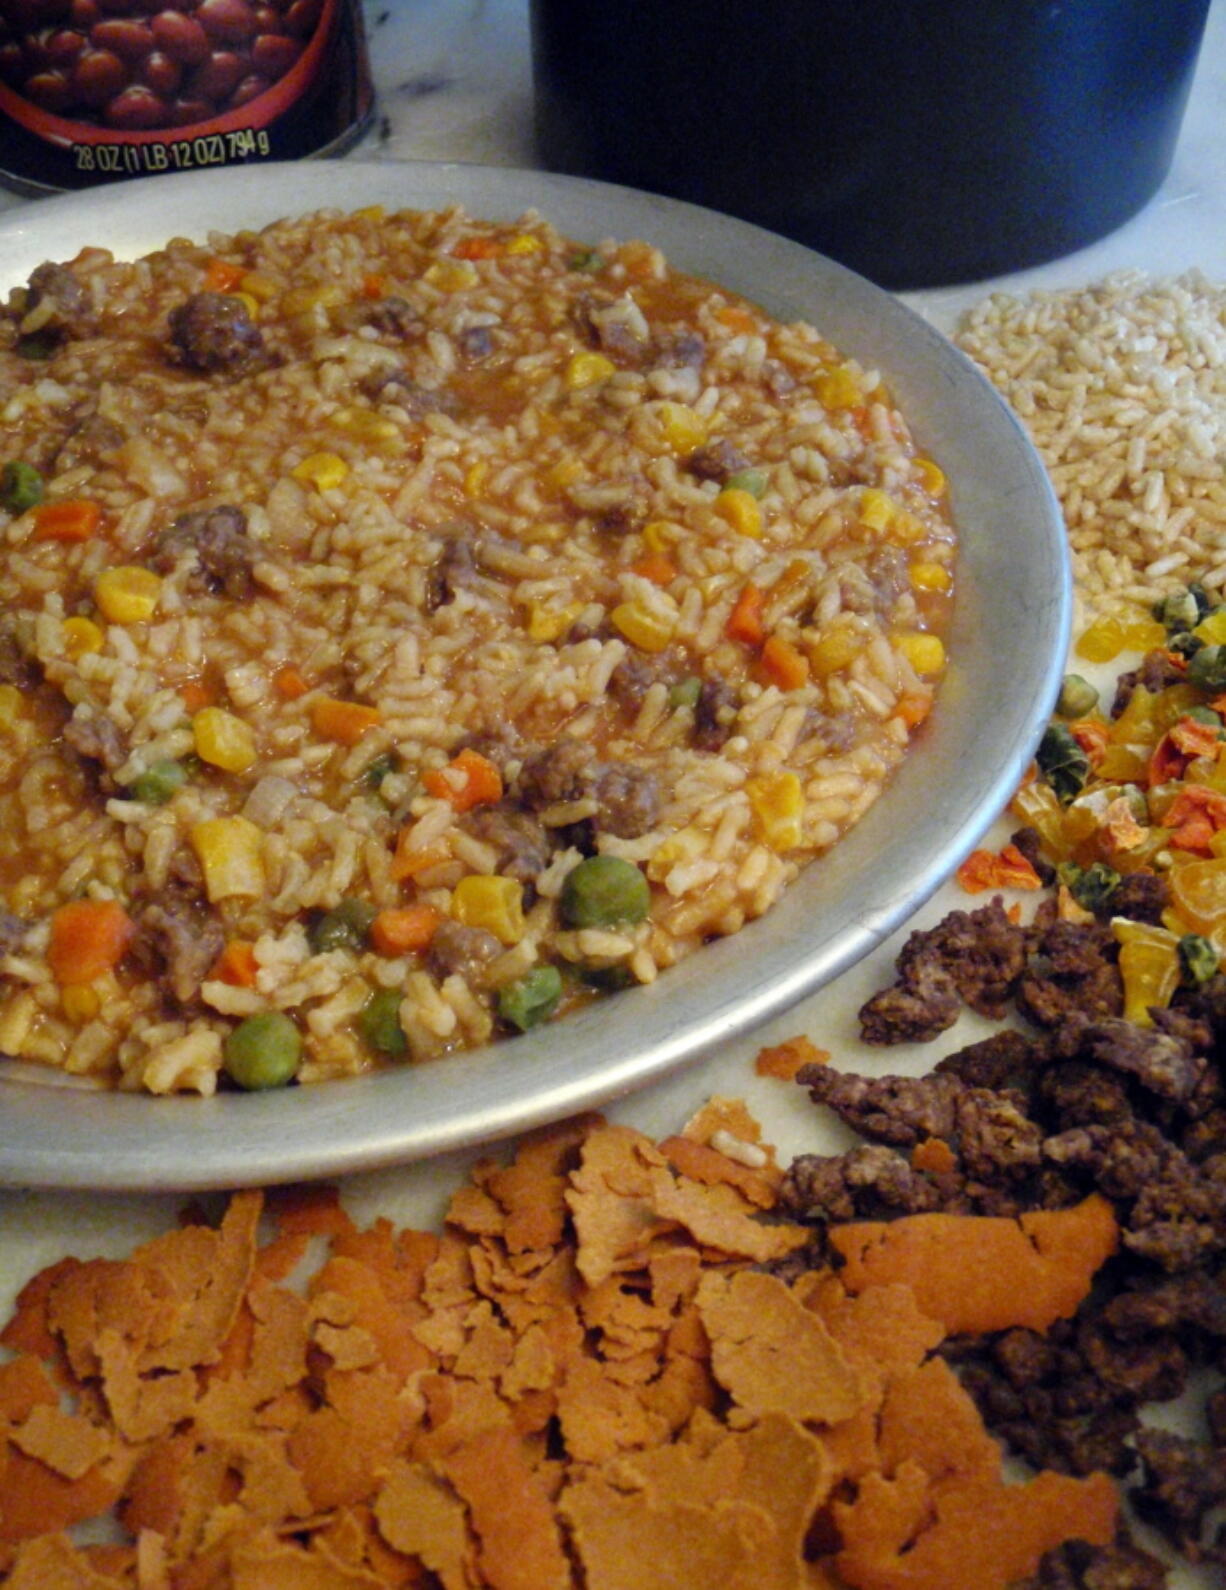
(95, 91)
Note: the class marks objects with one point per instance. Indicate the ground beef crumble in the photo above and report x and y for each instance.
(1066, 1099)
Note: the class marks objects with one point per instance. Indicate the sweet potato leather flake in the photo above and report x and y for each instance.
(591, 1379)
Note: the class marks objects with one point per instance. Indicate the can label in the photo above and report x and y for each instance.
(95, 91)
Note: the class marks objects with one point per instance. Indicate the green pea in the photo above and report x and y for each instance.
(1182, 610)
(604, 891)
(1198, 958)
(1078, 697)
(158, 783)
(379, 1023)
(375, 772)
(345, 927)
(754, 481)
(685, 692)
(1207, 669)
(38, 345)
(608, 979)
(1205, 715)
(21, 486)
(1062, 762)
(1092, 886)
(586, 259)
(263, 1051)
(532, 998)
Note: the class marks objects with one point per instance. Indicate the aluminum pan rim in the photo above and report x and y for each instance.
(1008, 648)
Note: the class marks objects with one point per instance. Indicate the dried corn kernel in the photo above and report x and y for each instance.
(565, 473)
(642, 626)
(834, 649)
(370, 212)
(588, 369)
(548, 623)
(452, 275)
(925, 653)
(127, 594)
(228, 850)
(324, 471)
(1112, 635)
(877, 508)
(474, 478)
(930, 577)
(1212, 628)
(740, 509)
(495, 903)
(524, 243)
(655, 536)
(302, 300)
(778, 805)
(838, 389)
(257, 286)
(930, 476)
(364, 424)
(81, 635)
(222, 740)
(681, 428)
(80, 1002)
(12, 706)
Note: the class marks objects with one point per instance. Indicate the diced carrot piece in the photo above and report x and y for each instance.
(289, 683)
(479, 248)
(236, 964)
(401, 930)
(407, 862)
(983, 869)
(76, 519)
(745, 620)
(374, 285)
(914, 706)
(736, 319)
(783, 664)
(88, 938)
(195, 695)
(656, 567)
(343, 721)
(479, 784)
(221, 276)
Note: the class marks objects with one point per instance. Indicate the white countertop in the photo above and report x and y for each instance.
(454, 83)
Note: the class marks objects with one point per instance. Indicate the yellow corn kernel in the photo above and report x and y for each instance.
(681, 428)
(524, 243)
(474, 478)
(834, 649)
(257, 286)
(228, 850)
(686, 845)
(1212, 628)
(930, 577)
(548, 623)
(930, 476)
(81, 635)
(656, 536)
(742, 510)
(324, 471)
(778, 805)
(364, 424)
(12, 706)
(483, 900)
(370, 212)
(250, 303)
(127, 594)
(588, 369)
(302, 300)
(222, 740)
(924, 652)
(452, 275)
(80, 1002)
(838, 389)
(642, 626)
(565, 473)
(877, 508)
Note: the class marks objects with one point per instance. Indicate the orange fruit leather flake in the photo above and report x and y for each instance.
(586, 1381)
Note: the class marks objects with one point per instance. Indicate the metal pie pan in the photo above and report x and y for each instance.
(1007, 646)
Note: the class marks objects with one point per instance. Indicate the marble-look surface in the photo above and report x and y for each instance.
(454, 83)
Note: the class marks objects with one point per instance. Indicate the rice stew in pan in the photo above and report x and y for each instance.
(413, 627)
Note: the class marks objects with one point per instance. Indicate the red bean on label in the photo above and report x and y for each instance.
(50, 90)
(131, 41)
(97, 77)
(64, 47)
(248, 89)
(136, 109)
(85, 13)
(219, 76)
(226, 21)
(267, 20)
(182, 38)
(303, 17)
(161, 74)
(273, 55)
(186, 111)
